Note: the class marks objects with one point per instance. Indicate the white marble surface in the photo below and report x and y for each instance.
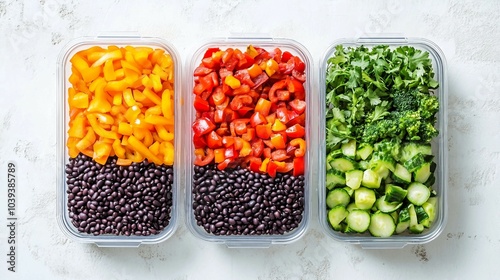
(33, 33)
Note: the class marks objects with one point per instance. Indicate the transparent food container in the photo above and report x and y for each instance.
(439, 148)
(122, 203)
(249, 239)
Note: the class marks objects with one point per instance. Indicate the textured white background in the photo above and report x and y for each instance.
(34, 32)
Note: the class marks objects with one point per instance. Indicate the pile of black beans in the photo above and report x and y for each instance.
(241, 202)
(119, 200)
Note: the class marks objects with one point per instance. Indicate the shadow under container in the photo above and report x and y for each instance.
(121, 204)
(225, 212)
(439, 147)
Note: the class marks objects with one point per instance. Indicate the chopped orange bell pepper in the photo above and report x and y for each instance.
(301, 143)
(87, 141)
(138, 146)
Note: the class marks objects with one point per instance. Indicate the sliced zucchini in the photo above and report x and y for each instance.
(349, 190)
(352, 206)
(401, 175)
(336, 215)
(349, 148)
(364, 151)
(381, 225)
(380, 159)
(423, 173)
(386, 207)
(417, 162)
(418, 193)
(421, 214)
(371, 179)
(403, 220)
(411, 149)
(343, 164)
(394, 194)
(415, 227)
(337, 196)
(364, 198)
(358, 220)
(334, 178)
(353, 178)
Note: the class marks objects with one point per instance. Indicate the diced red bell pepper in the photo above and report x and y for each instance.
(209, 62)
(249, 135)
(228, 141)
(263, 131)
(272, 168)
(224, 164)
(282, 114)
(243, 111)
(300, 119)
(297, 105)
(240, 126)
(257, 147)
(255, 163)
(202, 126)
(201, 71)
(277, 86)
(300, 76)
(199, 142)
(286, 56)
(300, 66)
(259, 80)
(267, 153)
(279, 155)
(296, 131)
(210, 51)
(297, 88)
(240, 101)
(201, 105)
(231, 153)
(218, 96)
(298, 166)
(214, 141)
(257, 118)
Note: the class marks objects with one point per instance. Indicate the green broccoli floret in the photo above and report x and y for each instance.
(427, 132)
(410, 122)
(405, 101)
(385, 128)
(428, 105)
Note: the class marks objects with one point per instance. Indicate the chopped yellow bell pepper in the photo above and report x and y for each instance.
(163, 133)
(169, 155)
(271, 67)
(232, 82)
(254, 70)
(278, 126)
(154, 120)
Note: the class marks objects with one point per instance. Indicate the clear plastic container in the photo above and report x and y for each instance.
(63, 74)
(439, 147)
(267, 43)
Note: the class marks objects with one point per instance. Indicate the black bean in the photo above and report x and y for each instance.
(114, 199)
(240, 202)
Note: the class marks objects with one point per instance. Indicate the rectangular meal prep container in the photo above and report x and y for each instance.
(63, 74)
(439, 146)
(192, 62)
